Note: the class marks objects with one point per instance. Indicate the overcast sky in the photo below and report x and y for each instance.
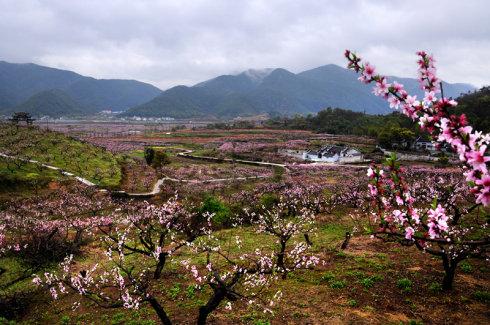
(172, 42)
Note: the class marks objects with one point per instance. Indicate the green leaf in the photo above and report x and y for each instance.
(434, 203)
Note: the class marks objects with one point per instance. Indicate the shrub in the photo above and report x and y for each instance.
(149, 154)
(269, 200)
(65, 320)
(443, 160)
(213, 205)
(466, 267)
(160, 159)
(278, 173)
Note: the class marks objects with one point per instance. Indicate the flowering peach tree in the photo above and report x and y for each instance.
(441, 228)
(142, 239)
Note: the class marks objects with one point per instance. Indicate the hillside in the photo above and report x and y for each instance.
(476, 107)
(113, 94)
(277, 92)
(45, 146)
(18, 82)
(55, 103)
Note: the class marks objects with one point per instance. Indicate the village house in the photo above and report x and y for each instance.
(420, 143)
(423, 143)
(334, 153)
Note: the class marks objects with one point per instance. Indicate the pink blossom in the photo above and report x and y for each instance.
(373, 190)
(477, 159)
(394, 102)
(382, 88)
(369, 71)
(399, 216)
(437, 222)
(370, 172)
(484, 197)
(397, 86)
(415, 216)
(430, 96)
(411, 100)
(409, 111)
(409, 232)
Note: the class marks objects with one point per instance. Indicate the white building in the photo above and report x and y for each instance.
(332, 153)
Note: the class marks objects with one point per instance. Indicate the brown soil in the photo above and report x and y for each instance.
(310, 300)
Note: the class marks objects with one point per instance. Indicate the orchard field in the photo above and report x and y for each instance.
(222, 242)
(233, 227)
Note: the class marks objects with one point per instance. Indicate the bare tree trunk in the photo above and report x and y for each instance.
(160, 312)
(450, 269)
(280, 255)
(212, 304)
(160, 265)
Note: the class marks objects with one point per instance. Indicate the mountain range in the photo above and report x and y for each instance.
(277, 91)
(47, 91)
(34, 88)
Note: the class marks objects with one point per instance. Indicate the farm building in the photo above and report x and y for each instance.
(334, 153)
(420, 143)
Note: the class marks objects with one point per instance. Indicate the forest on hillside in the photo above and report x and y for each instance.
(475, 105)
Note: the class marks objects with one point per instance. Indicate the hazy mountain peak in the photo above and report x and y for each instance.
(275, 91)
(257, 75)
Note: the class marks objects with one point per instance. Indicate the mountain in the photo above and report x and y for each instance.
(113, 94)
(55, 103)
(277, 91)
(476, 107)
(252, 92)
(18, 82)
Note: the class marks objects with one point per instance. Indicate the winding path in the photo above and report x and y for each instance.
(156, 187)
(63, 172)
(187, 154)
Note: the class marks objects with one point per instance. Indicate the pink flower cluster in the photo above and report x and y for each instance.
(433, 115)
(437, 222)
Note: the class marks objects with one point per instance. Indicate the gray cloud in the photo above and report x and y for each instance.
(176, 42)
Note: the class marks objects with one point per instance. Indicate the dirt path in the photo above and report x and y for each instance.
(156, 187)
(63, 172)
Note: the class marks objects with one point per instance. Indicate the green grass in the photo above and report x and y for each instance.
(367, 282)
(435, 287)
(82, 159)
(483, 296)
(404, 284)
(338, 285)
(28, 175)
(186, 298)
(466, 267)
